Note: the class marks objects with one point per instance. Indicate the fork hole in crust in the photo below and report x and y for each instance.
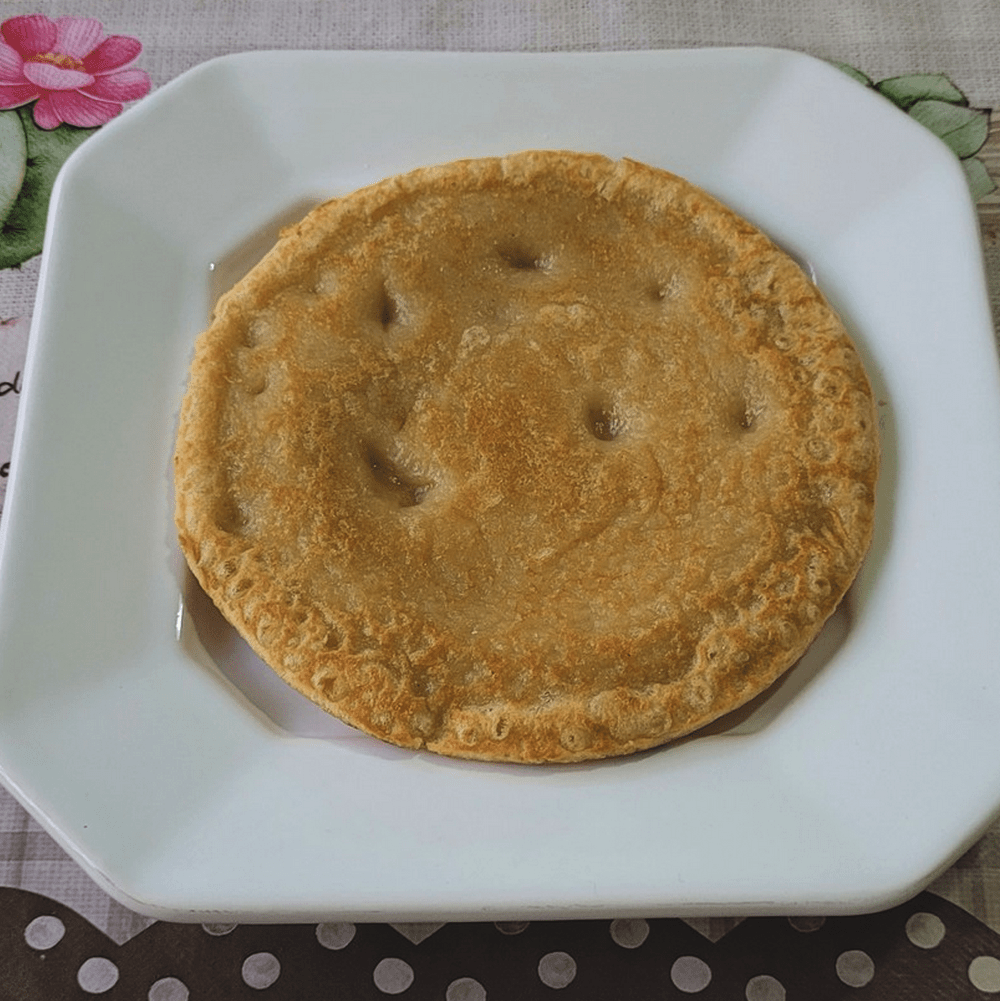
(603, 419)
(521, 256)
(230, 518)
(387, 308)
(256, 332)
(391, 480)
(746, 415)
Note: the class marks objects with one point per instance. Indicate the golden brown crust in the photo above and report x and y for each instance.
(536, 458)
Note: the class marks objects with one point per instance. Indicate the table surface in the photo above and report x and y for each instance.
(62, 936)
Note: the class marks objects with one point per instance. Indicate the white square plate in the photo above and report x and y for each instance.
(194, 787)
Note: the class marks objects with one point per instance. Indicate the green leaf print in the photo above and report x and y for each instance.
(24, 226)
(934, 101)
(963, 129)
(13, 160)
(906, 91)
(980, 182)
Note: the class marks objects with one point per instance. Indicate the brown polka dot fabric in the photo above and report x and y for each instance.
(927, 948)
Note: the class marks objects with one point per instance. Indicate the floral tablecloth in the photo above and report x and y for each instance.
(68, 68)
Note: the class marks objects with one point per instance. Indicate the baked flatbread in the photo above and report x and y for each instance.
(536, 458)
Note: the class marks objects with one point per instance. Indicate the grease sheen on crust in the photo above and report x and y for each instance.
(537, 458)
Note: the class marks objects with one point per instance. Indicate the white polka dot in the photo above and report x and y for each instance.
(511, 927)
(925, 930)
(335, 934)
(393, 976)
(629, 933)
(855, 968)
(806, 924)
(168, 989)
(690, 974)
(765, 988)
(261, 970)
(984, 974)
(44, 932)
(218, 929)
(97, 975)
(557, 970)
(465, 989)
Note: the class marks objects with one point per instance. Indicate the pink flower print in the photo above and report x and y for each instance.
(67, 66)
